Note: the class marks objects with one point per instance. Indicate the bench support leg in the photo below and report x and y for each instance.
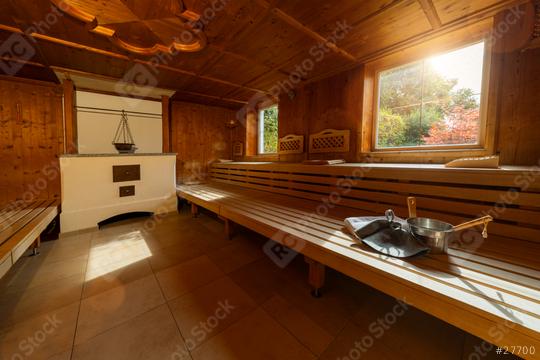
(35, 246)
(194, 210)
(316, 276)
(229, 228)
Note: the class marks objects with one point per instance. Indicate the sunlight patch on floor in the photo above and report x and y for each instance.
(117, 254)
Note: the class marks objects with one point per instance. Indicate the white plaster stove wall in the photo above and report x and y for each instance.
(89, 194)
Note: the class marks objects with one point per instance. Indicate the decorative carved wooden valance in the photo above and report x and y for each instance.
(141, 27)
(329, 140)
(291, 144)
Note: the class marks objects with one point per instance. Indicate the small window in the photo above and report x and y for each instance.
(432, 103)
(268, 130)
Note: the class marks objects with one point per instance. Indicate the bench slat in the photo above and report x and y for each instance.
(13, 208)
(44, 214)
(468, 208)
(18, 221)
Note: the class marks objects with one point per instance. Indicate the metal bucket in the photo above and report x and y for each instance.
(437, 234)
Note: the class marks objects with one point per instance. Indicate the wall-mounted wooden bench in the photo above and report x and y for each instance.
(20, 228)
(482, 287)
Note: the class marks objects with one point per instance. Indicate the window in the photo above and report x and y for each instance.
(268, 130)
(433, 103)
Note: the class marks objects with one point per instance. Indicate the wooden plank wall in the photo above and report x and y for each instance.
(336, 103)
(201, 137)
(519, 110)
(31, 138)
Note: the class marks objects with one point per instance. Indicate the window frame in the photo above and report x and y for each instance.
(444, 44)
(260, 129)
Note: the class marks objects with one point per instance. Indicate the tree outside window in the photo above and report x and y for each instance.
(432, 102)
(268, 130)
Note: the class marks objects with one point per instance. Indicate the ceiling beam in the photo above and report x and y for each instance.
(110, 78)
(212, 97)
(240, 35)
(431, 13)
(247, 59)
(355, 61)
(125, 57)
(291, 21)
(21, 61)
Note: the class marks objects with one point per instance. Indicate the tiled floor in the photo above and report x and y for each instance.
(175, 288)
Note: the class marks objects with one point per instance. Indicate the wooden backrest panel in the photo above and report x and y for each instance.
(510, 195)
(329, 141)
(291, 144)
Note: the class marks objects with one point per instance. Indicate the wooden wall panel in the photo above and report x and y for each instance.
(518, 110)
(31, 138)
(166, 122)
(201, 138)
(334, 103)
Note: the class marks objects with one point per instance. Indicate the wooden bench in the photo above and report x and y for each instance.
(21, 225)
(488, 288)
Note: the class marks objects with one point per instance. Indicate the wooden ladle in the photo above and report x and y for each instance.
(469, 224)
(411, 203)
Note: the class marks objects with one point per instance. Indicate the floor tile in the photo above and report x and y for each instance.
(66, 247)
(311, 335)
(101, 279)
(187, 276)
(40, 337)
(256, 336)
(122, 249)
(25, 304)
(113, 307)
(259, 279)
(188, 249)
(152, 335)
(65, 355)
(210, 309)
(164, 238)
(236, 255)
(34, 272)
(355, 342)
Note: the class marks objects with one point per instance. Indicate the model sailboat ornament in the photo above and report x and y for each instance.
(123, 140)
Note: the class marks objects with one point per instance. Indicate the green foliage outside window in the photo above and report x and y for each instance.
(420, 106)
(270, 130)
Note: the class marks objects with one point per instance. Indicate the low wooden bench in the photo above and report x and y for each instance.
(21, 225)
(488, 288)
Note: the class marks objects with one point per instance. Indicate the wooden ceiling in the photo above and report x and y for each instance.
(250, 45)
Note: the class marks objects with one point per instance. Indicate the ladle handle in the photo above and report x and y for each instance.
(469, 224)
(411, 203)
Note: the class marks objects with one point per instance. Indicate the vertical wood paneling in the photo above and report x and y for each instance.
(31, 138)
(519, 113)
(201, 138)
(166, 121)
(70, 117)
(334, 103)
